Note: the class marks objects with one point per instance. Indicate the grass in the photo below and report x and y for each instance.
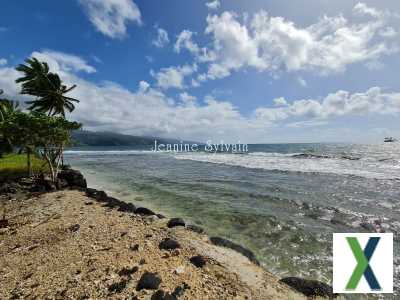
(15, 166)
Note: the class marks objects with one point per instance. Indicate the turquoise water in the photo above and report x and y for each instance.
(281, 201)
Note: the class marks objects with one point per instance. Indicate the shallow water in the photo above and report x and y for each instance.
(281, 201)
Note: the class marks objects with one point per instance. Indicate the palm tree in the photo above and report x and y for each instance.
(7, 107)
(47, 87)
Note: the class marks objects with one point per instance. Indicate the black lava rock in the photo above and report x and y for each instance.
(169, 244)
(144, 211)
(126, 207)
(95, 194)
(161, 295)
(180, 290)
(74, 178)
(128, 271)
(198, 260)
(148, 281)
(176, 222)
(195, 228)
(310, 288)
(117, 287)
(218, 241)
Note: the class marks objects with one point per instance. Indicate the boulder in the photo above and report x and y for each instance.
(218, 241)
(310, 288)
(144, 211)
(198, 260)
(95, 194)
(61, 184)
(176, 222)
(169, 244)
(148, 281)
(74, 178)
(126, 207)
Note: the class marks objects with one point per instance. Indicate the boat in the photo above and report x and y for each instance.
(389, 139)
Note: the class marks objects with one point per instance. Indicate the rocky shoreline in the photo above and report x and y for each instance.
(120, 251)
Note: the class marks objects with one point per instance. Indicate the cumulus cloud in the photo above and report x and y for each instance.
(3, 61)
(341, 103)
(185, 41)
(149, 111)
(213, 4)
(111, 17)
(280, 101)
(273, 44)
(173, 77)
(162, 38)
(60, 61)
(186, 98)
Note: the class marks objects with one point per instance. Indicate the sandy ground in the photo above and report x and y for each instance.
(64, 245)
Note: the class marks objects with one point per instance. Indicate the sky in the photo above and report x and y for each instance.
(221, 70)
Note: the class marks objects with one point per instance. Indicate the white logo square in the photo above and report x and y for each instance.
(363, 262)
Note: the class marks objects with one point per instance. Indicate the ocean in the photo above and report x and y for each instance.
(282, 201)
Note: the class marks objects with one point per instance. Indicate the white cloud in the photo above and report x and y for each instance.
(162, 38)
(185, 41)
(173, 77)
(143, 86)
(341, 103)
(186, 98)
(3, 61)
(388, 32)
(111, 17)
(363, 9)
(274, 44)
(280, 101)
(213, 4)
(60, 61)
(148, 111)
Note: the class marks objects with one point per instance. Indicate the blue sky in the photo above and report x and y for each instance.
(254, 71)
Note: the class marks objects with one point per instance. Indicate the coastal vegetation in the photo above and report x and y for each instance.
(41, 131)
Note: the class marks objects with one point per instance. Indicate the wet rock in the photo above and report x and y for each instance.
(160, 216)
(126, 207)
(148, 281)
(176, 222)
(95, 194)
(144, 211)
(128, 271)
(74, 178)
(117, 287)
(310, 288)
(368, 226)
(169, 244)
(74, 228)
(198, 260)
(218, 241)
(195, 228)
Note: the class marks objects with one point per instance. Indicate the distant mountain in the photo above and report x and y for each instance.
(92, 138)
